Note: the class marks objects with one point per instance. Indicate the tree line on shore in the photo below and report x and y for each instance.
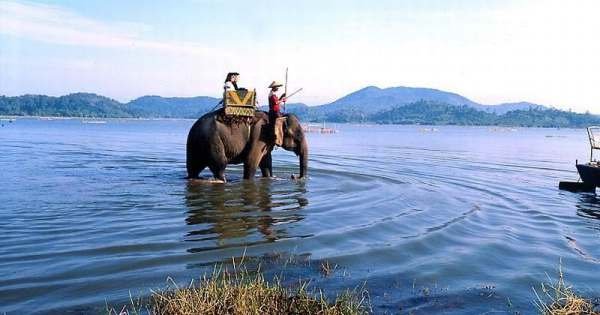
(417, 112)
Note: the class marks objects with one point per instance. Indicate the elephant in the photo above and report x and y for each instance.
(213, 143)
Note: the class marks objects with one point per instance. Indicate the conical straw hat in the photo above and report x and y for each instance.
(275, 84)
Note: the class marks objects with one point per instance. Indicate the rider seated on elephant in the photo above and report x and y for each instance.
(231, 82)
(275, 103)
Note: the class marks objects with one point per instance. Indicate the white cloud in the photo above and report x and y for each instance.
(122, 64)
(539, 51)
(56, 25)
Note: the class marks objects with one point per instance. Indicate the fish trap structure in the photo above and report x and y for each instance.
(589, 173)
(594, 136)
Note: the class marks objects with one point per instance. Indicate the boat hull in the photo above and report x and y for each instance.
(590, 174)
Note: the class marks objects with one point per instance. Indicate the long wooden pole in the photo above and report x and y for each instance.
(285, 87)
(298, 90)
(286, 81)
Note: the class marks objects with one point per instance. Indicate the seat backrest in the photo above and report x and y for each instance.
(246, 98)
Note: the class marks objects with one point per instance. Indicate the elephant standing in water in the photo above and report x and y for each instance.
(214, 144)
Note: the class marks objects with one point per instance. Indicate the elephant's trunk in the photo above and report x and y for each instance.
(303, 156)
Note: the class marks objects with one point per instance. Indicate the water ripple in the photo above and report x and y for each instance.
(93, 212)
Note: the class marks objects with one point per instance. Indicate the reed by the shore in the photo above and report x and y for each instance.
(243, 292)
(558, 298)
(239, 291)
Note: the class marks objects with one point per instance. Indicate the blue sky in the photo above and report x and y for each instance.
(490, 51)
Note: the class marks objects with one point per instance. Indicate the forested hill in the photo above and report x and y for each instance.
(171, 107)
(432, 113)
(385, 106)
(372, 99)
(92, 105)
(437, 113)
(78, 104)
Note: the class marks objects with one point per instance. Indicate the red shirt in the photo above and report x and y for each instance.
(274, 103)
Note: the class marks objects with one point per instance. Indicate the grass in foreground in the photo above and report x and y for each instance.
(244, 293)
(560, 299)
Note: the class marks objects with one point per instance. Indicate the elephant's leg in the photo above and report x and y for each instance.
(194, 169)
(219, 159)
(251, 165)
(193, 163)
(218, 171)
(249, 170)
(258, 150)
(266, 165)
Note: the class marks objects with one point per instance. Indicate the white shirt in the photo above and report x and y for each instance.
(228, 86)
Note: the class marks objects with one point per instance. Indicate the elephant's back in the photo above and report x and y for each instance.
(205, 124)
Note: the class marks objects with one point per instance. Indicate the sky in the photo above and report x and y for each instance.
(546, 51)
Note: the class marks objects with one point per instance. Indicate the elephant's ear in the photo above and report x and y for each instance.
(299, 135)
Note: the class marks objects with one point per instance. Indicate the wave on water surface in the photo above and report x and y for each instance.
(96, 210)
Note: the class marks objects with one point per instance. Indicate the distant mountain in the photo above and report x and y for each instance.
(92, 105)
(547, 118)
(77, 104)
(432, 113)
(171, 107)
(507, 107)
(397, 105)
(371, 99)
(356, 106)
(297, 108)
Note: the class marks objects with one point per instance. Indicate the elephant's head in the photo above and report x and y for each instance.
(294, 140)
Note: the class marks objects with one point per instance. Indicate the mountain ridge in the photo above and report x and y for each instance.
(369, 104)
(386, 98)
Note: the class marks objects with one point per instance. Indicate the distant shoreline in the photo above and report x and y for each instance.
(90, 118)
(400, 106)
(48, 118)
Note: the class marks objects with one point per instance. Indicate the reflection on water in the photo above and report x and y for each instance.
(243, 213)
(589, 206)
(92, 212)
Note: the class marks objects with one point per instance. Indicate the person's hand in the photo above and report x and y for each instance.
(283, 99)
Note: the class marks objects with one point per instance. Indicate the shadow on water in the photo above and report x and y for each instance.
(588, 206)
(242, 214)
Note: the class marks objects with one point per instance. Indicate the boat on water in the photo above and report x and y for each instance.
(589, 173)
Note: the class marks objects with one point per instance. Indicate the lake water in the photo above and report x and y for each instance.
(458, 220)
